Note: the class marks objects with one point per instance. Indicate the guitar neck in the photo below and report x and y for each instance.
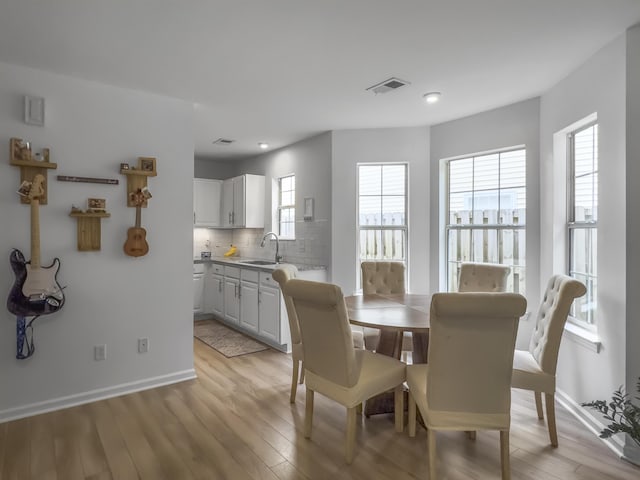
(35, 233)
(138, 215)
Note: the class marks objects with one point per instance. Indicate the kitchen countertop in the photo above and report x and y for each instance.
(238, 261)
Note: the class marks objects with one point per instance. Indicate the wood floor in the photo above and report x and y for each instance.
(235, 422)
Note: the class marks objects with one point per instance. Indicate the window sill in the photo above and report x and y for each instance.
(584, 337)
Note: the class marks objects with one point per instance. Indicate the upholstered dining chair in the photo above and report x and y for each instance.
(466, 384)
(334, 368)
(382, 277)
(483, 277)
(535, 369)
(282, 275)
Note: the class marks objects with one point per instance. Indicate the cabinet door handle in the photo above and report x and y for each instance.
(259, 296)
(194, 217)
(229, 217)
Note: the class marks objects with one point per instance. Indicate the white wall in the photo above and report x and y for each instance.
(633, 220)
(206, 168)
(597, 86)
(310, 161)
(350, 147)
(112, 299)
(504, 127)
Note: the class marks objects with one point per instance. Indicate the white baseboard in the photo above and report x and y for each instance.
(94, 395)
(615, 443)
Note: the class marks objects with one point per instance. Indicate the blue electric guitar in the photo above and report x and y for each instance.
(36, 290)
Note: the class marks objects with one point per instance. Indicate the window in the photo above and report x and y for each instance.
(486, 221)
(582, 225)
(287, 207)
(382, 212)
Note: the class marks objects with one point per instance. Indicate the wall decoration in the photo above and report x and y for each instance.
(108, 181)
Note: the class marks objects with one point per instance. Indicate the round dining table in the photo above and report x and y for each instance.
(392, 314)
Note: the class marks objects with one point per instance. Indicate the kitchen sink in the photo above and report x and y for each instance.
(259, 262)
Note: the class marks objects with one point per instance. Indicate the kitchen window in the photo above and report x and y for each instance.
(582, 224)
(287, 207)
(382, 212)
(486, 214)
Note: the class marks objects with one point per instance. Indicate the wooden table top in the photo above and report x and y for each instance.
(399, 312)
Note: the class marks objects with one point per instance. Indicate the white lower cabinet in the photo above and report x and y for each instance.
(214, 290)
(249, 299)
(198, 288)
(232, 295)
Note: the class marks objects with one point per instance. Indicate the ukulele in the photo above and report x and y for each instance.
(36, 290)
(136, 244)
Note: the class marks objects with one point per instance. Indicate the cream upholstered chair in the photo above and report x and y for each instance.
(535, 369)
(333, 366)
(382, 277)
(282, 275)
(466, 385)
(483, 277)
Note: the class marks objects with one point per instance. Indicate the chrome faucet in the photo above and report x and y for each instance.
(264, 239)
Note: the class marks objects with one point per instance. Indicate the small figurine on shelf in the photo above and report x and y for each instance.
(75, 209)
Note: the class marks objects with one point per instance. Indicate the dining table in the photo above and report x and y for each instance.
(392, 314)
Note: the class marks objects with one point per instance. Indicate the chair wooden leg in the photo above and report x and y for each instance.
(399, 408)
(431, 445)
(538, 397)
(294, 381)
(351, 434)
(302, 373)
(308, 414)
(504, 455)
(412, 415)
(550, 405)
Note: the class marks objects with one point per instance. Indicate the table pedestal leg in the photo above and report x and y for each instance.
(390, 344)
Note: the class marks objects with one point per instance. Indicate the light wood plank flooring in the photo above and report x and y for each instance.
(235, 422)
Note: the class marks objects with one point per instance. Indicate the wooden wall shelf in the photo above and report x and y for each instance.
(89, 230)
(29, 167)
(137, 179)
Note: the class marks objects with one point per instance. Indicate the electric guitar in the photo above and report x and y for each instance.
(36, 290)
(136, 244)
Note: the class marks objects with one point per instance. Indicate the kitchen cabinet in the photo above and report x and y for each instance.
(207, 197)
(232, 295)
(249, 317)
(198, 288)
(243, 202)
(270, 312)
(214, 290)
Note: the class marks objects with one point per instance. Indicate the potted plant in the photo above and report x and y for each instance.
(623, 414)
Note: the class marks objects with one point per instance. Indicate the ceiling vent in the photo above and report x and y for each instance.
(223, 141)
(388, 85)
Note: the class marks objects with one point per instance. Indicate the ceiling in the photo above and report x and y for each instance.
(279, 71)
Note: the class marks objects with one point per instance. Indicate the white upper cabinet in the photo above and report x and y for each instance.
(243, 202)
(207, 196)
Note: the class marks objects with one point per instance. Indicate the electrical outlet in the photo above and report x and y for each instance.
(143, 345)
(100, 352)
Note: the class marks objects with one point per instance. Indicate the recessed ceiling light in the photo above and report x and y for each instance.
(263, 145)
(432, 97)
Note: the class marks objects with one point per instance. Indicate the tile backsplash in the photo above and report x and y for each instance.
(311, 246)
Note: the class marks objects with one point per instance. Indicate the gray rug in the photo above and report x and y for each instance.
(228, 342)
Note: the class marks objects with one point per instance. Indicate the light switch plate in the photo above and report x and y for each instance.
(34, 110)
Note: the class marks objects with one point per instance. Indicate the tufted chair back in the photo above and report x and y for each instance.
(552, 315)
(282, 275)
(325, 329)
(483, 277)
(382, 277)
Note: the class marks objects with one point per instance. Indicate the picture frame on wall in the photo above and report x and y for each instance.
(147, 164)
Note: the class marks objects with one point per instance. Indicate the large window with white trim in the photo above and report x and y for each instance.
(486, 214)
(382, 212)
(582, 225)
(287, 207)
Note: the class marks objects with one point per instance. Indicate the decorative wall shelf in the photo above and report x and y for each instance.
(89, 229)
(20, 156)
(137, 178)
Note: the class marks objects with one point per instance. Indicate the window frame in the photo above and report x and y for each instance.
(497, 227)
(572, 225)
(282, 207)
(404, 227)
